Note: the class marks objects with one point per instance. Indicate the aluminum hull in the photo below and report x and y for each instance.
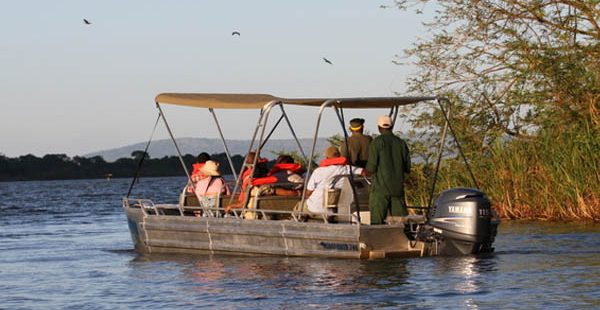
(193, 235)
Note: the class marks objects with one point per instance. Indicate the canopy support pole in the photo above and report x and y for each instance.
(271, 132)
(293, 132)
(393, 114)
(187, 173)
(340, 114)
(139, 167)
(262, 121)
(212, 111)
(438, 162)
(462, 154)
(314, 145)
(241, 174)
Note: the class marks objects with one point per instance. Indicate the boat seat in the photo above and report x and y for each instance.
(190, 200)
(277, 203)
(346, 205)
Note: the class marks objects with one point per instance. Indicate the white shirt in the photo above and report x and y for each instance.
(318, 182)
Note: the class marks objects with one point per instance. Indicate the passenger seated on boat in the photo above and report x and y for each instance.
(196, 174)
(333, 165)
(249, 172)
(212, 184)
(284, 178)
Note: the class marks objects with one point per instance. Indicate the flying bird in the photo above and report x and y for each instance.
(85, 21)
(327, 61)
(235, 32)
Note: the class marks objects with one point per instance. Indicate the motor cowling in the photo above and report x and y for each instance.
(462, 222)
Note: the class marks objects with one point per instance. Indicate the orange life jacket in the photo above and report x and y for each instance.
(333, 161)
(295, 168)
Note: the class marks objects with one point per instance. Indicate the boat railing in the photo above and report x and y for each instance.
(149, 208)
(146, 205)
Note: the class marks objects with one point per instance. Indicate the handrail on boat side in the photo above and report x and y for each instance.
(143, 204)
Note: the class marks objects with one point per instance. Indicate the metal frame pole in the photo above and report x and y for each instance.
(187, 173)
(437, 165)
(340, 114)
(460, 150)
(293, 132)
(212, 111)
(314, 144)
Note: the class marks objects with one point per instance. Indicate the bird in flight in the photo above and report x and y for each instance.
(235, 33)
(87, 22)
(327, 61)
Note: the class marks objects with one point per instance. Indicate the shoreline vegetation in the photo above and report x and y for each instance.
(549, 178)
(523, 78)
(62, 167)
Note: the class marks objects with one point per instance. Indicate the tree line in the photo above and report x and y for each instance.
(61, 166)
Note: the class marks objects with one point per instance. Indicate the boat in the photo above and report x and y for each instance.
(460, 221)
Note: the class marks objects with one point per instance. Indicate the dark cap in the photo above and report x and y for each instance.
(203, 157)
(356, 123)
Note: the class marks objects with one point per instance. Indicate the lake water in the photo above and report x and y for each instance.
(66, 245)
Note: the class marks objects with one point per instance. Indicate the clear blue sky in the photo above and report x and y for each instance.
(73, 88)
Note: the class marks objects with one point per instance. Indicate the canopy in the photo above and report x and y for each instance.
(257, 101)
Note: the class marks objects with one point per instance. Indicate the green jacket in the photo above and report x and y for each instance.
(389, 160)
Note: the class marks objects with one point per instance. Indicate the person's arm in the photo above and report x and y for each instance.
(224, 187)
(287, 192)
(371, 167)
(343, 151)
(364, 151)
(406, 158)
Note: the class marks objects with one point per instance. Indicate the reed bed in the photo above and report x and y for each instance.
(555, 177)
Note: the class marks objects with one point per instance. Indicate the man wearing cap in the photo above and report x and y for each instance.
(357, 147)
(389, 160)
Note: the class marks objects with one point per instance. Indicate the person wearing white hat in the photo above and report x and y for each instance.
(389, 161)
(213, 183)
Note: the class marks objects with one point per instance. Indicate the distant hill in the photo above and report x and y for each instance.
(194, 146)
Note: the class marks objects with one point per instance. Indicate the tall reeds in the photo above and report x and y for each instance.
(555, 176)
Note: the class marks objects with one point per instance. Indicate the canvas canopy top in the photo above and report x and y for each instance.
(257, 101)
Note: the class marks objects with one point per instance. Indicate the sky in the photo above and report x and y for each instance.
(71, 88)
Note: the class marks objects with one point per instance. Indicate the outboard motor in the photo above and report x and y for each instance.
(460, 222)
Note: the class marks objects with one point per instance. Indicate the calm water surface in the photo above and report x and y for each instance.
(65, 245)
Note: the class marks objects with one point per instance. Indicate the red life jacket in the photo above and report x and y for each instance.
(196, 168)
(293, 167)
(333, 161)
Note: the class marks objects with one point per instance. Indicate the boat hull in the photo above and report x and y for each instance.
(193, 235)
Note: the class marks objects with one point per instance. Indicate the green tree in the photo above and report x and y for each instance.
(524, 77)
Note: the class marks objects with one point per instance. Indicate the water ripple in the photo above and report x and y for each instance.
(66, 245)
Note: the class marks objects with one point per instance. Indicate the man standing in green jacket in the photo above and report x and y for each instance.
(389, 160)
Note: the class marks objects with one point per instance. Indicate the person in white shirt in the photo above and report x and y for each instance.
(333, 165)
